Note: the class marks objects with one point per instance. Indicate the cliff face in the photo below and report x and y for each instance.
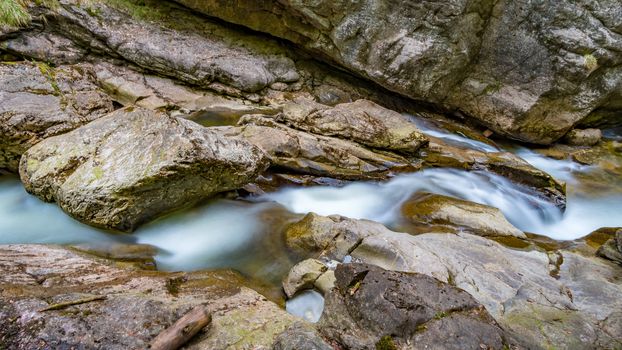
(530, 70)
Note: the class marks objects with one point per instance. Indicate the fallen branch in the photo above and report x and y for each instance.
(73, 302)
(183, 330)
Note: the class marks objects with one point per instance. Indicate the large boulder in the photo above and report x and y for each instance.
(374, 308)
(133, 165)
(38, 101)
(530, 70)
(109, 307)
(559, 298)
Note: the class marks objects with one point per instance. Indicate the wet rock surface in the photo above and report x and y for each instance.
(434, 209)
(134, 165)
(371, 306)
(306, 153)
(133, 308)
(543, 298)
(38, 101)
(498, 62)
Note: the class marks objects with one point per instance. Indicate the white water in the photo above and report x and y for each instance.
(223, 234)
(307, 304)
(381, 201)
(430, 129)
(231, 234)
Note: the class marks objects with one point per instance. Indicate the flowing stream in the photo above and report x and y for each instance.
(235, 234)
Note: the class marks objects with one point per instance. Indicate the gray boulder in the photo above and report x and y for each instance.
(530, 70)
(38, 101)
(372, 308)
(301, 336)
(134, 165)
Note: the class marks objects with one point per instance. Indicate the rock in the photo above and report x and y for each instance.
(305, 153)
(325, 282)
(164, 38)
(134, 165)
(139, 255)
(301, 336)
(612, 248)
(302, 276)
(331, 236)
(361, 121)
(585, 137)
(435, 209)
(131, 87)
(372, 306)
(530, 71)
(442, 154)
(560, 298)
(135, 306)
(38, 101)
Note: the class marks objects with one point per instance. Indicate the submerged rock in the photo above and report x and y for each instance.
(530, 71)
(361, 121)
(134, 165)
(38, 101)
(558, 298)
(372, 307)
(435, 209)
(127, 308)
(306, 153)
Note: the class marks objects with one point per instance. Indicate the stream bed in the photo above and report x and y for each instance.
(242, 234)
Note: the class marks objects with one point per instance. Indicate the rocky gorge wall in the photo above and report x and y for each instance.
(123, 111)
(529, 70)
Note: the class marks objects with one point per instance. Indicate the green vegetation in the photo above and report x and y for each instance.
(386, 343)
(590, 62)
(13, 13)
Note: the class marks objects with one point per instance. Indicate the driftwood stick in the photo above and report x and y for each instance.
(73, 302)
(183, 330)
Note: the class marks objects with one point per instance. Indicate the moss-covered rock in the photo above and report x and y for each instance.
(461, 215)
(134, 165)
